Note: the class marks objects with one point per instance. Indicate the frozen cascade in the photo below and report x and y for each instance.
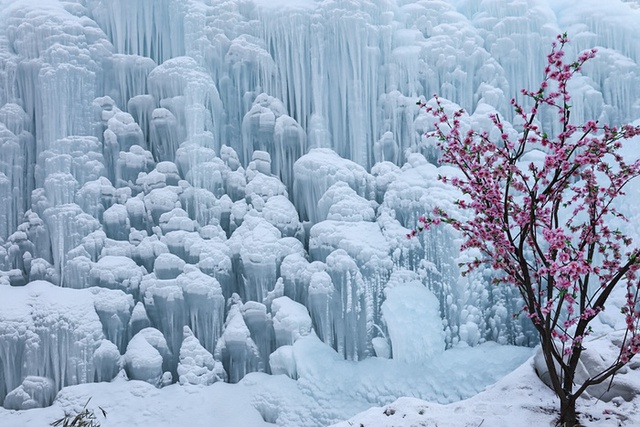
(114, 310)
(108, 361)
(34, 392)
(176, 295)
(282, 214)
(17, 147)
(341, 203)
(116, 272)
(365, 246)
(126, 77)
(412, 315)
(94, 197)
(318, 170)
(282, 362)
(197, 365)
(296, 272)
(67, 226)
(257, 252)
(79, 156)
(260, 325)
(204, 305)
(199, 111)
(259, 124)
(351, 311)
(140, 28)
(50, 332)
(321, 294)
(225, 177)
(121, 134)
(291, 321)
(55, 51)
(290, 145)
(131, 164)
(236, 349)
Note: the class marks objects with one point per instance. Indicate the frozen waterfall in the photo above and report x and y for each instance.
(191, 187)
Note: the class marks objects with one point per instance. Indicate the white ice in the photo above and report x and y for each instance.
(221, 191)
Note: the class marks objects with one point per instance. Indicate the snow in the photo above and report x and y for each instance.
(50, 332)
(411, 314)
(197, 192)
(291, 321)
(328, 388)
(197, 365)
(520, 395)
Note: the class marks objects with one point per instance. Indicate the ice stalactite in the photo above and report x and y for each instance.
(281, 213)
(260, 325)
(116, 272)
(318, 170)
(290, 143)
(321, 294)
(296, 272)
(141, 28)
(236, 349)
(15, 151)
(257, 252)
(367, 248)
(67, 226)
(139, 319)
(341, 203)
(108, 361)
(34, 392)
(204, 304)
(258, 126)
(121, 134)
(114, 309)
(351, 307)
(190, 94)
(248, 68)
(54, 334)
(125, 77)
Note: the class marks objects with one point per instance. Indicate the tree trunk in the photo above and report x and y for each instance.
(568, 416)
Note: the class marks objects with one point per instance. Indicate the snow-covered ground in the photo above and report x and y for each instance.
(327, 390)
(519, 398)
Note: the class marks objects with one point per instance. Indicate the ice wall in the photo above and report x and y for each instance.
(55, 333)
(216, 179)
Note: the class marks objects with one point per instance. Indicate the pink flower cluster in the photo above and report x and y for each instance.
(564, 270)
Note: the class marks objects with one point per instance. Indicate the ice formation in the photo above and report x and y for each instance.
(195, 191)
(52, 337)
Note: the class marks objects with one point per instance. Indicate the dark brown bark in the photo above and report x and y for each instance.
(568, 415)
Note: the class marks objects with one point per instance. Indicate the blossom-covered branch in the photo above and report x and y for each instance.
(546, 225)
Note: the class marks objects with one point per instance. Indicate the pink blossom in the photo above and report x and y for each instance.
(546, 226)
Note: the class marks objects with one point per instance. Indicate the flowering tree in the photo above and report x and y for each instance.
(545, 225)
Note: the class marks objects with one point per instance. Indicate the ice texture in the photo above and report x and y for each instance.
(53, 333)
(318, 170)
(209, 186)
(34, 392)
(235, 348)
(143, 361)
(291, 321)
(411, 314)
(257, 251)
(197, 365)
